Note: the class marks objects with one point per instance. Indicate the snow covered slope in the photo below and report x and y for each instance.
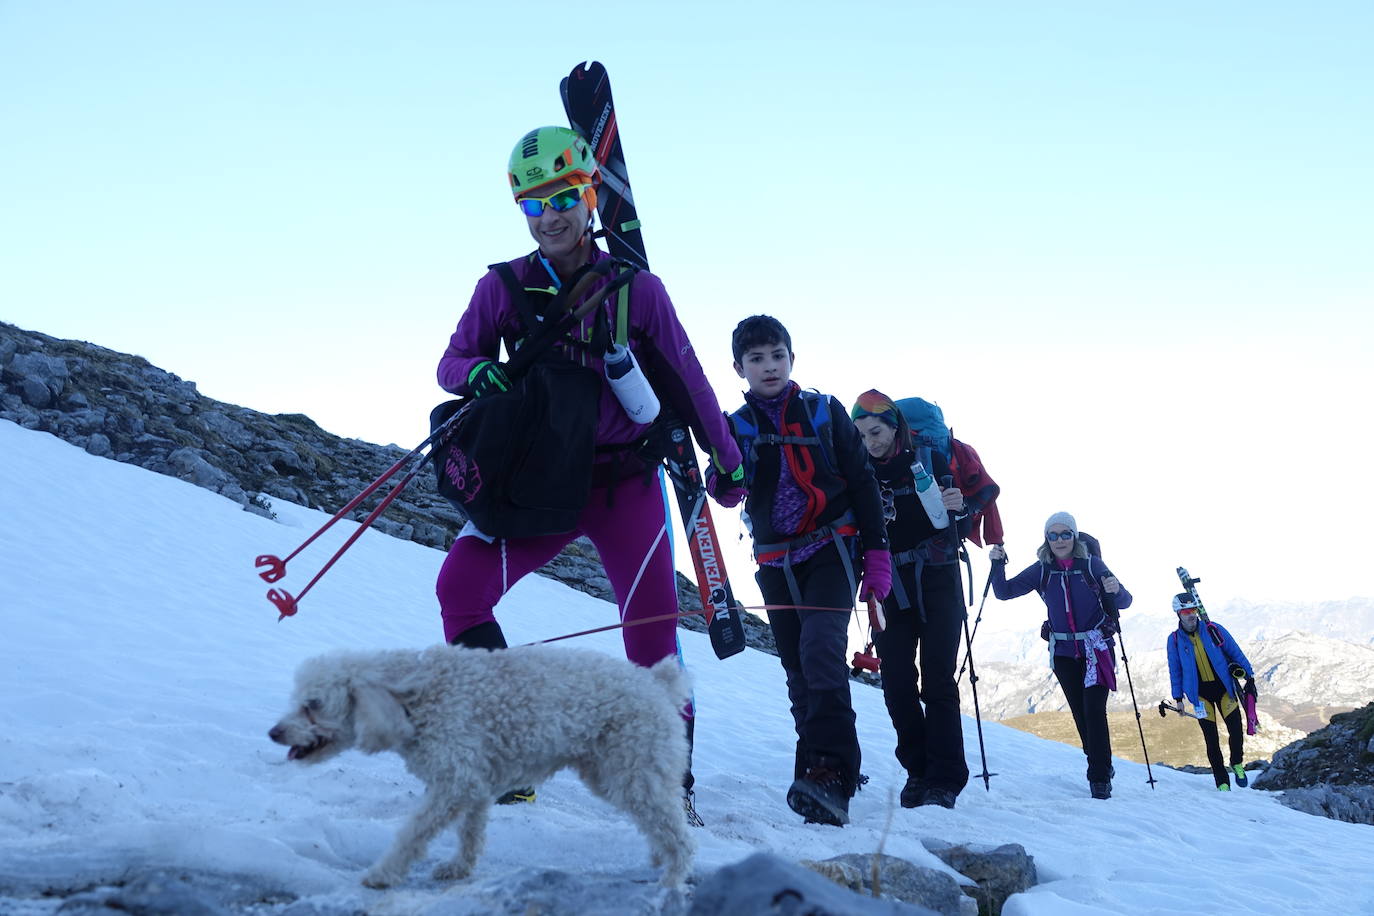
(141, 666)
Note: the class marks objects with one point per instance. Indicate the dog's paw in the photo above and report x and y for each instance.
(452, 871)
(380, 877)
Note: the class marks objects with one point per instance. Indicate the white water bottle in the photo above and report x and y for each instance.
(930, 497)
(630, 385)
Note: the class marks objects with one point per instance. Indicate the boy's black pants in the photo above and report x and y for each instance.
(813, 647)
(930, 742)
(1089, 708)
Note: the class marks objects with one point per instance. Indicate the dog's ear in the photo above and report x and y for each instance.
(379, 720)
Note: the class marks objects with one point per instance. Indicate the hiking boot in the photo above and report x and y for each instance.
(1100, 789)
(1241, 779)
(689, 805)
(938, 796)
(820, 797)
(1224, 787)
(913, 790)
(517, 797)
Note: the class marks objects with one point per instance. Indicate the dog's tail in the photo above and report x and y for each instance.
(673, 676)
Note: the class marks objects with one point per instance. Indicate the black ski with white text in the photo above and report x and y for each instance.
(591, 111)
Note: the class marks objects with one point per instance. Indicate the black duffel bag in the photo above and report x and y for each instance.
(519, 463)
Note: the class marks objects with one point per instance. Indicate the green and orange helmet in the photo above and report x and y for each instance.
(547, 154)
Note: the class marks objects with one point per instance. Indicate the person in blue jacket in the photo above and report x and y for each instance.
(1205, 667)
(1079, 628)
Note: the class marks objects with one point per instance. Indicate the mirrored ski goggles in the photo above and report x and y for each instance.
(1053, 536)
(560, 202)
(1185, 611)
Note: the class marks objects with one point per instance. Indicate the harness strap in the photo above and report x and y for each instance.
(1066, 637)
(829, 529)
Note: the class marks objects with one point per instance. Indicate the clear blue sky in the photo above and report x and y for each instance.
(1127, 246)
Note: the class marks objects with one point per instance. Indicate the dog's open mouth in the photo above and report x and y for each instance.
(302, 751)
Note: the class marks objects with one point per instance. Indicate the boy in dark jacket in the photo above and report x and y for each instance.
(812, 502)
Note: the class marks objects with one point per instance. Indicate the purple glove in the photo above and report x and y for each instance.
(877, 575)
(729, 492)
(1045, 631)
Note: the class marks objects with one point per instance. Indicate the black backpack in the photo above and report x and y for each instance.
(519, 463)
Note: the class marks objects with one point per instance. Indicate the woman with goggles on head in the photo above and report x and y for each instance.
(1082, 598)
(924, 612)
(553, 177)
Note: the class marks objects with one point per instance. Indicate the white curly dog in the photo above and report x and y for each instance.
(473, 724)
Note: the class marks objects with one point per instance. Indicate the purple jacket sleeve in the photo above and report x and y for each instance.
(477, 336)
(672, 366)
(1027, 580)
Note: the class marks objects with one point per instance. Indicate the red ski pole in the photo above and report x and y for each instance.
(283, 600)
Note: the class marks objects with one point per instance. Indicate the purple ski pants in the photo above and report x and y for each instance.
(629, 530)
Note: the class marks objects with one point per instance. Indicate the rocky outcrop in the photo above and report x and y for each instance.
(1340, 754)
(1331, 771)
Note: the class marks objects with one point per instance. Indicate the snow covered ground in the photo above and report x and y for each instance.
(141, 666)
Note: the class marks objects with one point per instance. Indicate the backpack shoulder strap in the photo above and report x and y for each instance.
(746, 429)
(1215, 633)
(519, 296)
(819, 411)
(622, 307)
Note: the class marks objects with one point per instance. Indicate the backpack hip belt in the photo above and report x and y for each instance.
(829, 530)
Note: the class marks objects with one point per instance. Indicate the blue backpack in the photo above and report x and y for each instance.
(749, 438)
(927, 422)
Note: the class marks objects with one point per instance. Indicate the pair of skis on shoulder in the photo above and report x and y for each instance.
(591, 112)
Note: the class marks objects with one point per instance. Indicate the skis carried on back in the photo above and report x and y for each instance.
(1190, 586)
(591, 112)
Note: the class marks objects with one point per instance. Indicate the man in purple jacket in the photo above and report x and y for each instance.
(553, 174)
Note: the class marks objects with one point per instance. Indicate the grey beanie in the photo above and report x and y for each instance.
(1062, 518)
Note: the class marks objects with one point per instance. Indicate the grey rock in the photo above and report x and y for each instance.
(227, 428)
(898, 879)
(75, 401)
(98, 444)
(998, 871)
(1352, 804)
(35, 393)
(169, 892)
(765, 884)
(51, 371)
(191, 465)
(549, 892)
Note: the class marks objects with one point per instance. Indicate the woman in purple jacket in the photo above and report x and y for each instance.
(553, 175)
(1072, 583)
